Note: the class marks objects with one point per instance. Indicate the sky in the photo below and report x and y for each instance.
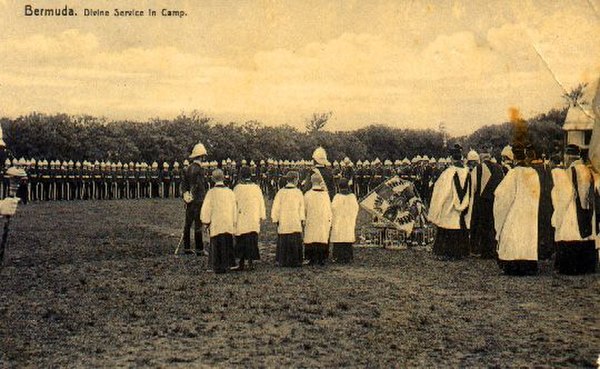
(406, 64)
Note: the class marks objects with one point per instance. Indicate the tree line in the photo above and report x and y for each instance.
(68, 137)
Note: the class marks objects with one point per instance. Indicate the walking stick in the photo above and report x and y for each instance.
(182, 233)
(14, 174)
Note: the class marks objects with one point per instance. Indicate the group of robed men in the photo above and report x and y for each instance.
(306, 222)
(520, 211)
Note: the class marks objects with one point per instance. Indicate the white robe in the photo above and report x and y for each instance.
(516, 206)
(288, 210)
(219, 209)
(344, 209)
(446, 208)
(250, 206)
(318, 216)
(564, 218)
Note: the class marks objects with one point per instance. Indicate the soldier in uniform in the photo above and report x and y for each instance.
(132, 185)
(262, 176)
(32, 173)
(367, 177)
(272, 176)
(118, 181)
(64, 180)
(84, 177)
(105, 177)
(194, 190)
(283, 169)
(49, 179)
(165, 179)
(154, 182)
(23, 188)
(39, 187)
(377, 174)
(70, 181)
(113, 184)
(358, 173)
(253, 172)
(337, 175)
(95, 179)
(52, 180)
(145, 179)
(233, 169)
(321, 167)
(126, 173)
(77, 180)
(176, 180)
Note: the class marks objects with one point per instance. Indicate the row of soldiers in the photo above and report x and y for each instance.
(69, 180)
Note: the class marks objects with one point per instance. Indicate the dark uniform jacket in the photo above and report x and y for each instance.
(194, 182)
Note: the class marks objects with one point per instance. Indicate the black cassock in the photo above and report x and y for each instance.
(482, 232)
(545, 230)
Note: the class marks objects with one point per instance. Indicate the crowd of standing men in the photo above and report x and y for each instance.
(519, 211)
(57, 180)
(307, 221)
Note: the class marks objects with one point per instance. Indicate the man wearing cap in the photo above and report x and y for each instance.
(449, 207)
(321, 167)
(318, 222)
(165, 179)
(359, 179)
(33, 174)
(348, 171)
(194, 190)
(516, 206)
(485, 178)
(218, 214)
(176, 180)
(575, 199)
(336, 173)
(272, 178)
(131, 185)
(251, 210)
(154, 180)
(144, 179)
(425, 179)
(288, 214)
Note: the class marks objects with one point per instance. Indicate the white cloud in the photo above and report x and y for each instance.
(462, 78)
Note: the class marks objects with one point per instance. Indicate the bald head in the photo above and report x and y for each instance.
(217, 175)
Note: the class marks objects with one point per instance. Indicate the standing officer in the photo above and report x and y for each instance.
(165, 179)
(176, 180)
(194, 190)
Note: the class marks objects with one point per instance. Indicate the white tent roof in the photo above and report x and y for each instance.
(581, 117)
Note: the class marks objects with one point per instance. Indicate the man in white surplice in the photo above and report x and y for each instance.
(574, 215)
(516, 207)
(448, 209)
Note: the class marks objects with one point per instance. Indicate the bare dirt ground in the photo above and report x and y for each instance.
(95, 284)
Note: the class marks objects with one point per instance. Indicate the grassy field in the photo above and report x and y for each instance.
(95, 284)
